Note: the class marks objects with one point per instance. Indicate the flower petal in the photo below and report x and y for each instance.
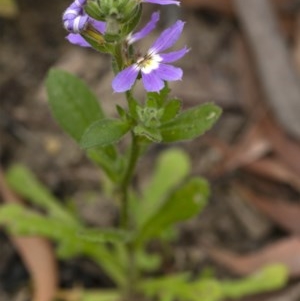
(125, 79)
(173, 56)
(99, 25)
(77, 39)
(152, 82)
(168, 72)
(167, 38)
(144, 31)
(162, 2)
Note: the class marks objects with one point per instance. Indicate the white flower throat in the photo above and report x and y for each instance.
(149, 62)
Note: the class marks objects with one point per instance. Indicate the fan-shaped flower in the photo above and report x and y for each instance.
(154, 67)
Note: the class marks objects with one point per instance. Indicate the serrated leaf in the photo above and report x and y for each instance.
(22, 181)
(104, 132)
(160, 97)
(190, 123)
(184, 203)
(171, 168)
(171, 109)
(72, 103)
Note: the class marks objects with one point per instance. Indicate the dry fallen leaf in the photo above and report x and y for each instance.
(286, 251)
(282, 212)
(274, 169)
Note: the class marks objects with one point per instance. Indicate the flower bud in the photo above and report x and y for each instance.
(120, 10)
(93, 10)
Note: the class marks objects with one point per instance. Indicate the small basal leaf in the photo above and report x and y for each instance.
(191, 123)
(172, 166)
(22, 181)
(104, 132)
(184, 203)
(104, 235)
(72, 103)
(101, 295)
(22, 221)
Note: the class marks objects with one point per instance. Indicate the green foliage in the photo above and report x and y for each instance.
(172, 167)
(105, 235)
(185, 202)
(190, 123)
(160, 119)
(104, 132)
(76, 108)
(59, 225)
(180, 287)
(100, 296)
(21, 221)
(72, 103)
(171, 109)
(25, 183)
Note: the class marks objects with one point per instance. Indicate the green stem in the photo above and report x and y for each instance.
(125, 218)
(133, 157)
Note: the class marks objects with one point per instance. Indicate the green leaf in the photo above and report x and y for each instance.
(268, 279)
(148, 262)
(191, 123)
(104, 132)
(184, 203)
(171, 109)
(104, 235)
(22, 181)
(150, 133)
(107, 158)
(100, 295)
(172, 166)
(158, 98)
(72, 103)
(179, 287)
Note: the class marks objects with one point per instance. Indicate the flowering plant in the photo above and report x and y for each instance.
(170, 197)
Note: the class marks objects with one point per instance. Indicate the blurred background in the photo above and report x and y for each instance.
(245, 57)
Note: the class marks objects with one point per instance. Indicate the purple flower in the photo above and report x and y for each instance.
(153, 66)
(162, 2)
(76, 20)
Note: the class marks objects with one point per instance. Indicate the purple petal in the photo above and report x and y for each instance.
(162, 2)
(125, 79)
(146, 30)
(77, 39)
(167, 38)
(152, 82)
(168, 72)
(80, 2)
(173, 56)
(76, 24)
(99, 25)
